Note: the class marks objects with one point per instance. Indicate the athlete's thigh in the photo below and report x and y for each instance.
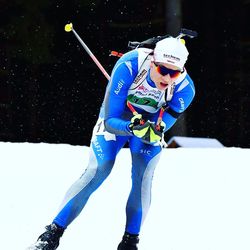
(141, 152)
(105, 145)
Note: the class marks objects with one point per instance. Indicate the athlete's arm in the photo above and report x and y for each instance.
(182, 98)
(115, 100)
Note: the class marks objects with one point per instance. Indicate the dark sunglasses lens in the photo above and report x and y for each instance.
(175, 74)
(165, 71)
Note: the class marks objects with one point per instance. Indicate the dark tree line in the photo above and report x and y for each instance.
(50, 90)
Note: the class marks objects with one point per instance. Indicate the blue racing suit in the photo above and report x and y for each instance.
(130, 80)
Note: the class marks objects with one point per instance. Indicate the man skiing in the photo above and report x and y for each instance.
(143, 83)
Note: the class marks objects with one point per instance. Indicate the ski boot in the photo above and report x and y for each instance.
(129, 242)
(49, 240)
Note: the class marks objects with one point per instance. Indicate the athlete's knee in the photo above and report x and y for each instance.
(104, 170)
(95, 175)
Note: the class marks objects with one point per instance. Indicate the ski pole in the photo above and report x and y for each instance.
(159, 120)
(68, 28)
(132, 108)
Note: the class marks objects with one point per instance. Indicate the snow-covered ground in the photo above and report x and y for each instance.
(200, 198)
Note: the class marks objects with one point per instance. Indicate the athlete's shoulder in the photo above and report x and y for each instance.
(189, 79)
(184, 83)
(190, 82)
(130, 56)
(135, 56)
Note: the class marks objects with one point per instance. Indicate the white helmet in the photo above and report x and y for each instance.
(172, 51)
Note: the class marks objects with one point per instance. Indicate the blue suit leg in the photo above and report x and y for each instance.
(144, 160)
(101, 161)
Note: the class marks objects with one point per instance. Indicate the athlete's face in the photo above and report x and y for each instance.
(163, 77)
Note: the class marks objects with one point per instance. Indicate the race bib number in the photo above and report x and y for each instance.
(99, 129)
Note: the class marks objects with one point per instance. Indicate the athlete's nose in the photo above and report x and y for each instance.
(167, 78)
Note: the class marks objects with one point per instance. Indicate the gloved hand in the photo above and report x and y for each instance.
(138, 126)
(161, 126)
(156, 132)
(148, 132)
(137, 120)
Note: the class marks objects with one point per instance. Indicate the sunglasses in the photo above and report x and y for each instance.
(166, 71)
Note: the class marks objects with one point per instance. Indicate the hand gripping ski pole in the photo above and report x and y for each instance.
(68, 28)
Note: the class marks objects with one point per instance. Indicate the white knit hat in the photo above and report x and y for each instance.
(172, 51)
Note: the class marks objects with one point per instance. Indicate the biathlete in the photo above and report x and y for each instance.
(144, 83)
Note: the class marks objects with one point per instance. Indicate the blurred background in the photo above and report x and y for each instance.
(51, 91)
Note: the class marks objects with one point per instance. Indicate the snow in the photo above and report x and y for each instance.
(200, 198)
